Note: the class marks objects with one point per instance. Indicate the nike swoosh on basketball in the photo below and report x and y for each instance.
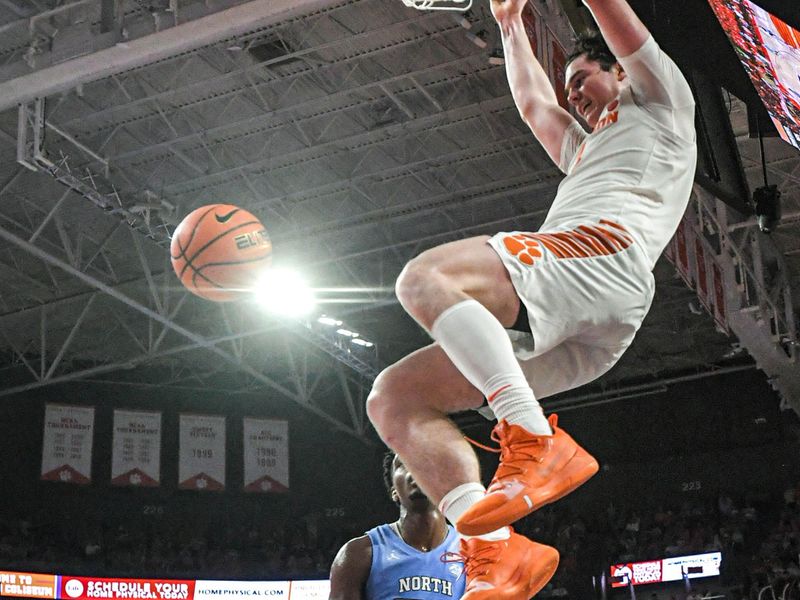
(225, 218)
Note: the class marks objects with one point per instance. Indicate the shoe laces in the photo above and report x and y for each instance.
(515, 454)
(476, 563)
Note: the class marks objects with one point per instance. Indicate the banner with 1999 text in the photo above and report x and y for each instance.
(266, 455)
(202, 453)
(67, 443)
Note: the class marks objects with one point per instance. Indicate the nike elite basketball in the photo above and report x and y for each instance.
(219, 250)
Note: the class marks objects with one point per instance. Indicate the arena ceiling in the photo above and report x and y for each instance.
(361, 132)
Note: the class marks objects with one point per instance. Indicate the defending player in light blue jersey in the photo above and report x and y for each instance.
(408, 559)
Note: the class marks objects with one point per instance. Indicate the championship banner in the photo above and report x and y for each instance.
(202, 453)
(694, 259)
(27, 585)
(266, 455)
(703, 289)
(558, 70)
(102, 588)
(669, 251)
(682, 253)
(720, 302)
(530, 20)
(67, 444)
(136, 449)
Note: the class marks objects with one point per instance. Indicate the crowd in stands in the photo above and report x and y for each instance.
(292, 549)
(759, 536)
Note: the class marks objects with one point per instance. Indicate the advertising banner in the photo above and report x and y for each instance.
(233, 590)
(136, 451)
(27, 585)
(266, 455)
(68, 587)
(104, 588)
(666, 569)
(310, 590)
(202, 453)
(67, 444)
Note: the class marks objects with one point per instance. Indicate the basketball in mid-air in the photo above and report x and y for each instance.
(218, 252)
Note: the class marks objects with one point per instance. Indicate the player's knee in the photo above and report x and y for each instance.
(419, 279)
(385, 406)
(379, 403)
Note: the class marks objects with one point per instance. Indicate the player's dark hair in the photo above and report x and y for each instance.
(388, 470)
(592, 45)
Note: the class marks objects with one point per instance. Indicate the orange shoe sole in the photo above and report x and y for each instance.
(540, 579)
(476, 521)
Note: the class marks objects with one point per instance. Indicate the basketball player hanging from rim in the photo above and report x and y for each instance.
(582, 285)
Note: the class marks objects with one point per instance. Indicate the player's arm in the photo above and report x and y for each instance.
(622, 30)
(533, 94)
(350, 570)
(654, 76)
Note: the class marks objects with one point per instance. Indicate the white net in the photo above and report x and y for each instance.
(456, 5)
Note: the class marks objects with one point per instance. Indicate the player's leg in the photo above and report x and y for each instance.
(567, 366)
(462, 294)
(584, 309)
(408, 405)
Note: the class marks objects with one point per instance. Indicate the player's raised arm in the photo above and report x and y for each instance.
(653, 75)
(350, 570)
(622, 30)
(533, 94)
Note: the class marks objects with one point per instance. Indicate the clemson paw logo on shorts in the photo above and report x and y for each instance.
(525, 249)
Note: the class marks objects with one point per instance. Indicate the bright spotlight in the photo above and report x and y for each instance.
(360, 342)
(284, 292)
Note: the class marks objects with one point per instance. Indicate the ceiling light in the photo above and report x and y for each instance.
(463, 19)
(329, 321)
(284, 292)
(347, 333)
(496, 56)
(360, 342)
(768, 207)
(479, 38)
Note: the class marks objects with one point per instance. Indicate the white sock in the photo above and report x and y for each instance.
(456, 502)
(479, 347)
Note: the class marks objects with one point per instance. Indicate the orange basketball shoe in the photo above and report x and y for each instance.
(534, 470)
(512, 569)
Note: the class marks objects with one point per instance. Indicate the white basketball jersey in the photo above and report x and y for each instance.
(638, 165)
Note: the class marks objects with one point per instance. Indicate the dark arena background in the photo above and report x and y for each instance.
(155, 444)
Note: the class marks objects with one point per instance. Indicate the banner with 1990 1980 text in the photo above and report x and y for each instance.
(266, 455)
(136, 449)
(202, 453)
(67, 443)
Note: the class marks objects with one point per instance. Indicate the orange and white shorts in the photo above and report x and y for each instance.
(586, 289)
